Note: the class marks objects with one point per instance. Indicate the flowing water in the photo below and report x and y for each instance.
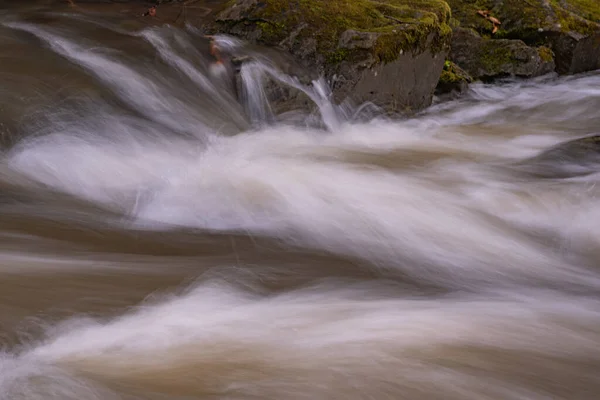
(161, 239)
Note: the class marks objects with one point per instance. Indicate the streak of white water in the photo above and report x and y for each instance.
(217, 95)
(325, 343)
(253, 94)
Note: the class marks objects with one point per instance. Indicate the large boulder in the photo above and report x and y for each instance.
(390, 52)
(570, 28)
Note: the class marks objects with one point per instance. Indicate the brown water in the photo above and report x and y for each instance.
(161, 240)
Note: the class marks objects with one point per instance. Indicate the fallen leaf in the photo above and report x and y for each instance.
(495, 21)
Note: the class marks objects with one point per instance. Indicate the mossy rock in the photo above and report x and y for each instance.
(400, 25)
(523, 17)
(367, 49)
(487, 59)
(570, 28)
(588, 9)
(454, 80)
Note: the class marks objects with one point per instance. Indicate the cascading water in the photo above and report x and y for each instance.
(168, 234)
(253, 93)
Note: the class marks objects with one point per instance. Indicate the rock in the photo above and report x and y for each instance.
(454, 80)
(578, 53)
(570, 28)
(389, 52)
(576, 157)
(285, 99)
(488, 58)
(352, 39)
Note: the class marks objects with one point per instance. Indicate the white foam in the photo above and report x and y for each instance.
(324, 342)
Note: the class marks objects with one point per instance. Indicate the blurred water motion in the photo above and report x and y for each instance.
(165, 238)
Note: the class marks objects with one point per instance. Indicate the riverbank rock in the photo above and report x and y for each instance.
(485, 59)
(388, 52)
(569, 28)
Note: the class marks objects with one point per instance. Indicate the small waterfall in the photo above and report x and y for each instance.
(253, 95)
(254, 78)
(210, 78)
(216, 90)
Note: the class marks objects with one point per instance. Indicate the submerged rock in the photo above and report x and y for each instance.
(389, 52)
(568, 159)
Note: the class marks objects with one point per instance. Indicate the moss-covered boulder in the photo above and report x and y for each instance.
(570, 28)
(390, 52)
(486, 59)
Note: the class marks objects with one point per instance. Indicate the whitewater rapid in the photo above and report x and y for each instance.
(163, 239)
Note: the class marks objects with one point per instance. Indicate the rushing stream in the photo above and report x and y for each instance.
(165, 235)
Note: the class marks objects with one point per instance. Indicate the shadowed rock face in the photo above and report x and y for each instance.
(404, 84)
(581, 54)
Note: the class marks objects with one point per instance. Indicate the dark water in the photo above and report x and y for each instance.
(161, 240)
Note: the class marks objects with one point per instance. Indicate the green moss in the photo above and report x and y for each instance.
(588, 9)
(448, 77)
(450, 74)
(465, 11)
(545, 54)
(452, 78)
(272, 31)
(524, 18)
(403, 25)
(570, 21)
(337, 56)
(493, 56)
(517, 15)
(454, 23)
(415, 38)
